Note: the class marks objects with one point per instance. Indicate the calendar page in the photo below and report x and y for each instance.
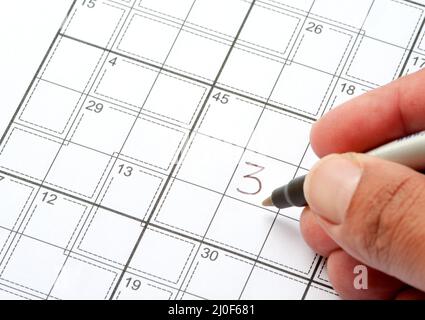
(136, 163)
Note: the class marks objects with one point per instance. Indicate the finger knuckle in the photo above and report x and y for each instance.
(385, 215)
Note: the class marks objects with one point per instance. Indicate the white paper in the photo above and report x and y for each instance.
(135, 166)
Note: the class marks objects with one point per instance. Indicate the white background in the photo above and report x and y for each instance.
(27, 28)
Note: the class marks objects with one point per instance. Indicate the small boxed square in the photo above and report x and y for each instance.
(110, 237)
(265, 284)
(148, 38)
(78, 170)
(153, 143)
(240, 226)
(34, 265)
(316, 292)
(175, 8)
(197, 55)
(175, 98)
(231, 12)
(257, 176)
(155, 252)
(188, 208)
(219, 120)
(72, 64)
(107, 16)
(50, 107)
(28, 154)
(217, 275)
(112, 127)
(290, 90)
(132, 190)
(270, 30)
(55, 220)
(328, 58)
(81, 280)
(380, 23)
(13, 203)
(244, 69)
(286, 248)
(349, 12)
(376, 62)
(209, 163)
(293, 134)
(135, 288)
(127, 83)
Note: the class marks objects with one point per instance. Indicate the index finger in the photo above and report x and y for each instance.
(377, 117)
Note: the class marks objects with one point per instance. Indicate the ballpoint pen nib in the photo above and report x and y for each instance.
(268, 202)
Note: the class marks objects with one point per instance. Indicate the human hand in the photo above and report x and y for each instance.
(367, 211)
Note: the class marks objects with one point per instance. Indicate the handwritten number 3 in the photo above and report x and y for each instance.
(252, 177)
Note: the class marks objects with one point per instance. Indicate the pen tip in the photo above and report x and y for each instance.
(268, 202)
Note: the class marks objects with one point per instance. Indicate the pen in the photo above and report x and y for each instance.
(408, 151)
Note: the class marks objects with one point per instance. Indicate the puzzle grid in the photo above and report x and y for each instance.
(135, 165)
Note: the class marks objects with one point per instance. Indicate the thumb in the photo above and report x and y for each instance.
(373, 209)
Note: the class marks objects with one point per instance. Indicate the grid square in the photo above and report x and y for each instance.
(270, 30)
(243, 69)
(265, 284)
(78, 170)
(219, 120)
(107, 17)
(286, 247)
(110, 237)
(132, 191)
(257, 176)
(50, 107)
(112, 127)
(81, 280)
(42, 264)
(153, 143)
(188, 208)
(241, 226)
(72, 64)
(155, 252)
(231, 12)
(174, 8)
(211, 279)
(28, 154)
(207, 157)
(197, 55)
(293, 134)
(55, 223)
(175, 98)
(148, 38)
(291, 88)
(328, 58)
(376, 62)
(382, 26)
(127, 83)
(12, 206)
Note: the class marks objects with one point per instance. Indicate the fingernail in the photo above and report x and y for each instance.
(330, 187)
